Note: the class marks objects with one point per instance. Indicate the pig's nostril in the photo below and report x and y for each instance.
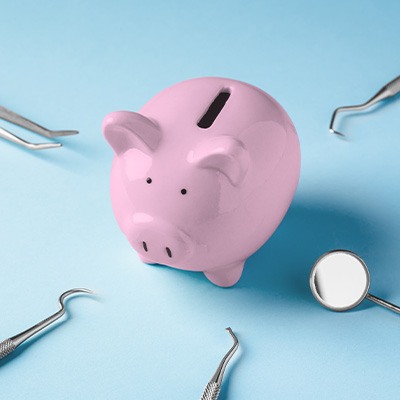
(144, 246)
(169, 252)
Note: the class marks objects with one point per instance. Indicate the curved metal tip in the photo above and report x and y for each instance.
(235, 339)
(74, 291)
(219, 373)
(80, 290)
(336, 132)
(331, 130)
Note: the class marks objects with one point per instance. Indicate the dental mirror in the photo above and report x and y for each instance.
(339, 280)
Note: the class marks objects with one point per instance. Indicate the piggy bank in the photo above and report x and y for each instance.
(202, 175)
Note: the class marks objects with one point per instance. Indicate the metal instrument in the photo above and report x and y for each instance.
(9, 345)
(340, 281)
(389, 90)
(17, 119)
(213, 388)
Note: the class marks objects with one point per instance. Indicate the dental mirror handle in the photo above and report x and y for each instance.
(7, 346)
(383, 303)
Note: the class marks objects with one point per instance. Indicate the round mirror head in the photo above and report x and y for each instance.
(339, 280)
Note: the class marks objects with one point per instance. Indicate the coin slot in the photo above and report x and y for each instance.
(214, 109)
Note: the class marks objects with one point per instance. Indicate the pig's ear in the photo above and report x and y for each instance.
(125, 130)
(224, 154)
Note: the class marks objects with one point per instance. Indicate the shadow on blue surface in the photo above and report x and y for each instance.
(282, 265)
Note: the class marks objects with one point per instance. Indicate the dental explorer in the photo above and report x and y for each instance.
(9, 345)
(213, 388)
(389, 90)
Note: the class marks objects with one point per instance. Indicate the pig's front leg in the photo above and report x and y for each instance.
(226, 276)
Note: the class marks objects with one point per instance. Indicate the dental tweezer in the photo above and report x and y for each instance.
(17, 119)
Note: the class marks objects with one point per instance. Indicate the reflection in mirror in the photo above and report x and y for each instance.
(339, 280)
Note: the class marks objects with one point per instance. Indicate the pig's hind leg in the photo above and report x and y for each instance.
(226, 276)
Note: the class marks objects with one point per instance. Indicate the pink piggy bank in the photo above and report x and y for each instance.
(202, 175)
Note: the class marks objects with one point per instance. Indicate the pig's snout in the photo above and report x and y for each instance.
(159, 241)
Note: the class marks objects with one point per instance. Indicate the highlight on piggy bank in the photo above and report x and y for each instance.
(202, 175)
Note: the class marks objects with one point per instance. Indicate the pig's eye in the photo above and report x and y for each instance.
(183, 191)
(149, 180)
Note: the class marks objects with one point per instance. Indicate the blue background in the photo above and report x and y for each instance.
(155, 332)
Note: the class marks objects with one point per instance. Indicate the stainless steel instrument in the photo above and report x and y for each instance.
(389, 90)
(213, 388)
(340, 281)
(9, 345)
(17, 119)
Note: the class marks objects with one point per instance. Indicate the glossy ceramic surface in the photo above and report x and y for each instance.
(198, 185)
